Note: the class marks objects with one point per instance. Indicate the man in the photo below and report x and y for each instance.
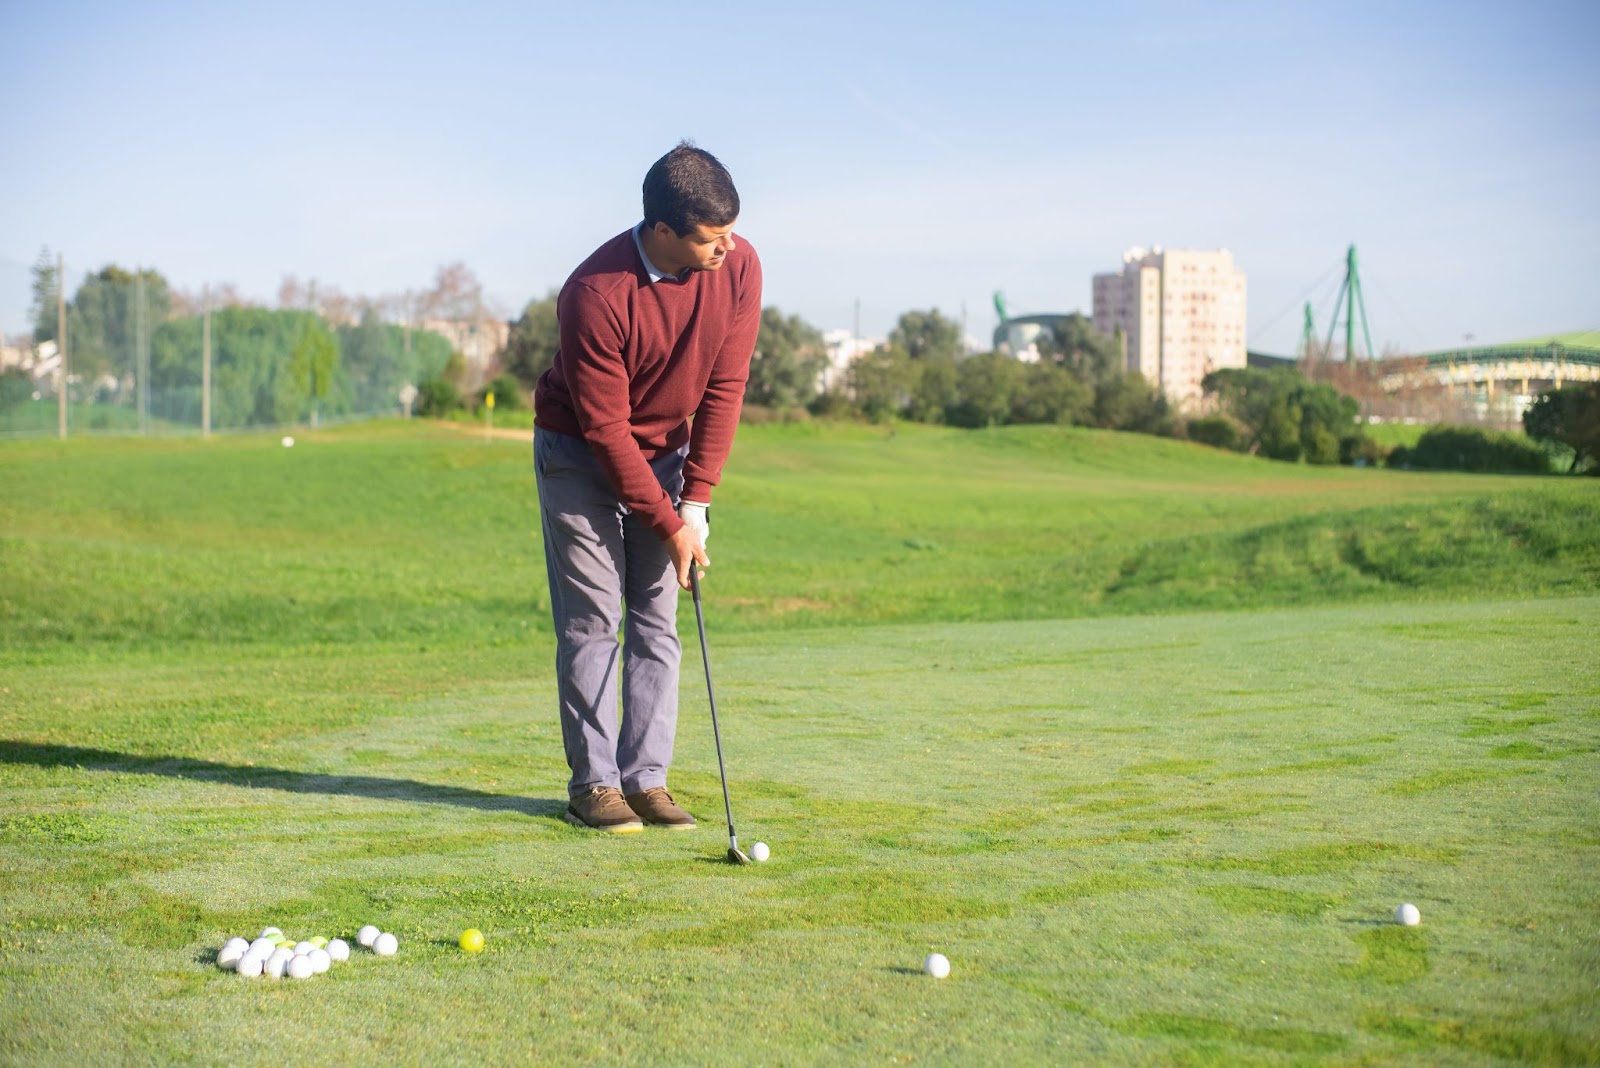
(657, 326)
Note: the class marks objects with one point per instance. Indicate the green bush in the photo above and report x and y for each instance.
(437, 398)
(508, 394)
(1215, 430)
(1470, 448)
(1319, 444)
(1360, 451)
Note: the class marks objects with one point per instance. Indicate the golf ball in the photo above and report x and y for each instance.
(367, 935)
(288, 442)
(249, 965)
(273, 968)
(1408, 915)
(472, 940)
(268, 932)
(385, 945)
(303, 949)
(230, 953)
(299, 967)
(320, 961)
(318, 941)
(338, 949)
(262, 946)
(760, 852)
(936, 965)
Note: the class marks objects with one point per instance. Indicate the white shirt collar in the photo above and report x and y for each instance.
(656, 274)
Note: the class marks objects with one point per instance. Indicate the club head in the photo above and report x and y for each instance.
(736, 856)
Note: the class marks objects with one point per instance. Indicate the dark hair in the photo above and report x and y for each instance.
(689, 187)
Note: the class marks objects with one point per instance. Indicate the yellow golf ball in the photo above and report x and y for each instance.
(472, 940)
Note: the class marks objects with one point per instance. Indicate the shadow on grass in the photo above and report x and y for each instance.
(265, 778)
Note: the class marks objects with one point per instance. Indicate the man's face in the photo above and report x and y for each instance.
(701, 249)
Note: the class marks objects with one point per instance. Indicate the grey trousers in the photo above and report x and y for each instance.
(607, 569)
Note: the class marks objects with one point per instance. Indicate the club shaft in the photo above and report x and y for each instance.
(711, 696)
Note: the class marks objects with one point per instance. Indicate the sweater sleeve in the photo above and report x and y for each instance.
(592, 337)
(717, 417)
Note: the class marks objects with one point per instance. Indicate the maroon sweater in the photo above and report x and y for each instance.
(637, 358)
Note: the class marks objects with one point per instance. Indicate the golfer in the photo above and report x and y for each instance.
(632, 425)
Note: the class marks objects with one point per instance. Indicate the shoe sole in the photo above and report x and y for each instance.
(673, 826)
(621, 828)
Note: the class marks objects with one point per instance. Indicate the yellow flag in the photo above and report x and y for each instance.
(489, 400)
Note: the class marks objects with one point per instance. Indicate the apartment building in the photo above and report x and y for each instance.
(1182, 314)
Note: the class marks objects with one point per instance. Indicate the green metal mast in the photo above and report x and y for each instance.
(1308, 335)
(1350, 296)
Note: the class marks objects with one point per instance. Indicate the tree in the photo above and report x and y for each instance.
(104, 317)
(935, 390)
(1569, 416)
(787, 364)
(311, 370)
(43, 311)
(535, 336)
(1076, 345)
(1283, 415)
(372, 363)
(1047, 393)
(1130, 402)
(927, 335)
(986, 384)
(457, 295)
(880, 382)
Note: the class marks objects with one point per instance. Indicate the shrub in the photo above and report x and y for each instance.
(437, 398)
(508, 394)
(1359, 450)
(1468, 448)
(1320, 445)
(1215, 430)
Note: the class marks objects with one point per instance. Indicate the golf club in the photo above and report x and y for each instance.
(735, 854)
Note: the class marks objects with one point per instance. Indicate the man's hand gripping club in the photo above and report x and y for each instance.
(688, 546)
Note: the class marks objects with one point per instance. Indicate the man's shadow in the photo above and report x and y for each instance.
(265, 778)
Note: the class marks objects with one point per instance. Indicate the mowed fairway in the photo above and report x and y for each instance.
(1148, 740)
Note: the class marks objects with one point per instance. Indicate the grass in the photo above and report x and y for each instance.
(243, 685)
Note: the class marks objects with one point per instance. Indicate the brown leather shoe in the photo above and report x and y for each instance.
(601, 808)
(656, 807)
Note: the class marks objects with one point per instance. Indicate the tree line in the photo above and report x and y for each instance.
(269, 366)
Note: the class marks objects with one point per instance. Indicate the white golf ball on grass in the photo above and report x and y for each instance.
(1407, 915)
(759, 852)
(385, 945)
(288, 442)
(249, 965)
(338, 949)
(300, 967)
(936, 965)
(320, 961)
(367, 935)
(228, 956)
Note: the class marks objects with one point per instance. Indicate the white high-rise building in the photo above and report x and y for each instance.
(1182, 314)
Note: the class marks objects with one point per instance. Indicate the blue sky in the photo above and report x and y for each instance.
(904, 156)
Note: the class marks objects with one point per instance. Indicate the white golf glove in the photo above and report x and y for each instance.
(693, 514)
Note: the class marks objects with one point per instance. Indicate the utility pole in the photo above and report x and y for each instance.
(61, 344)
(205, 366)
(143, 390)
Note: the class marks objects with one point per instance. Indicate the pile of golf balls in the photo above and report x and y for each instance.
(274, 955)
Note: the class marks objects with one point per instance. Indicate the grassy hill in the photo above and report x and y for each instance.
(408, 532)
